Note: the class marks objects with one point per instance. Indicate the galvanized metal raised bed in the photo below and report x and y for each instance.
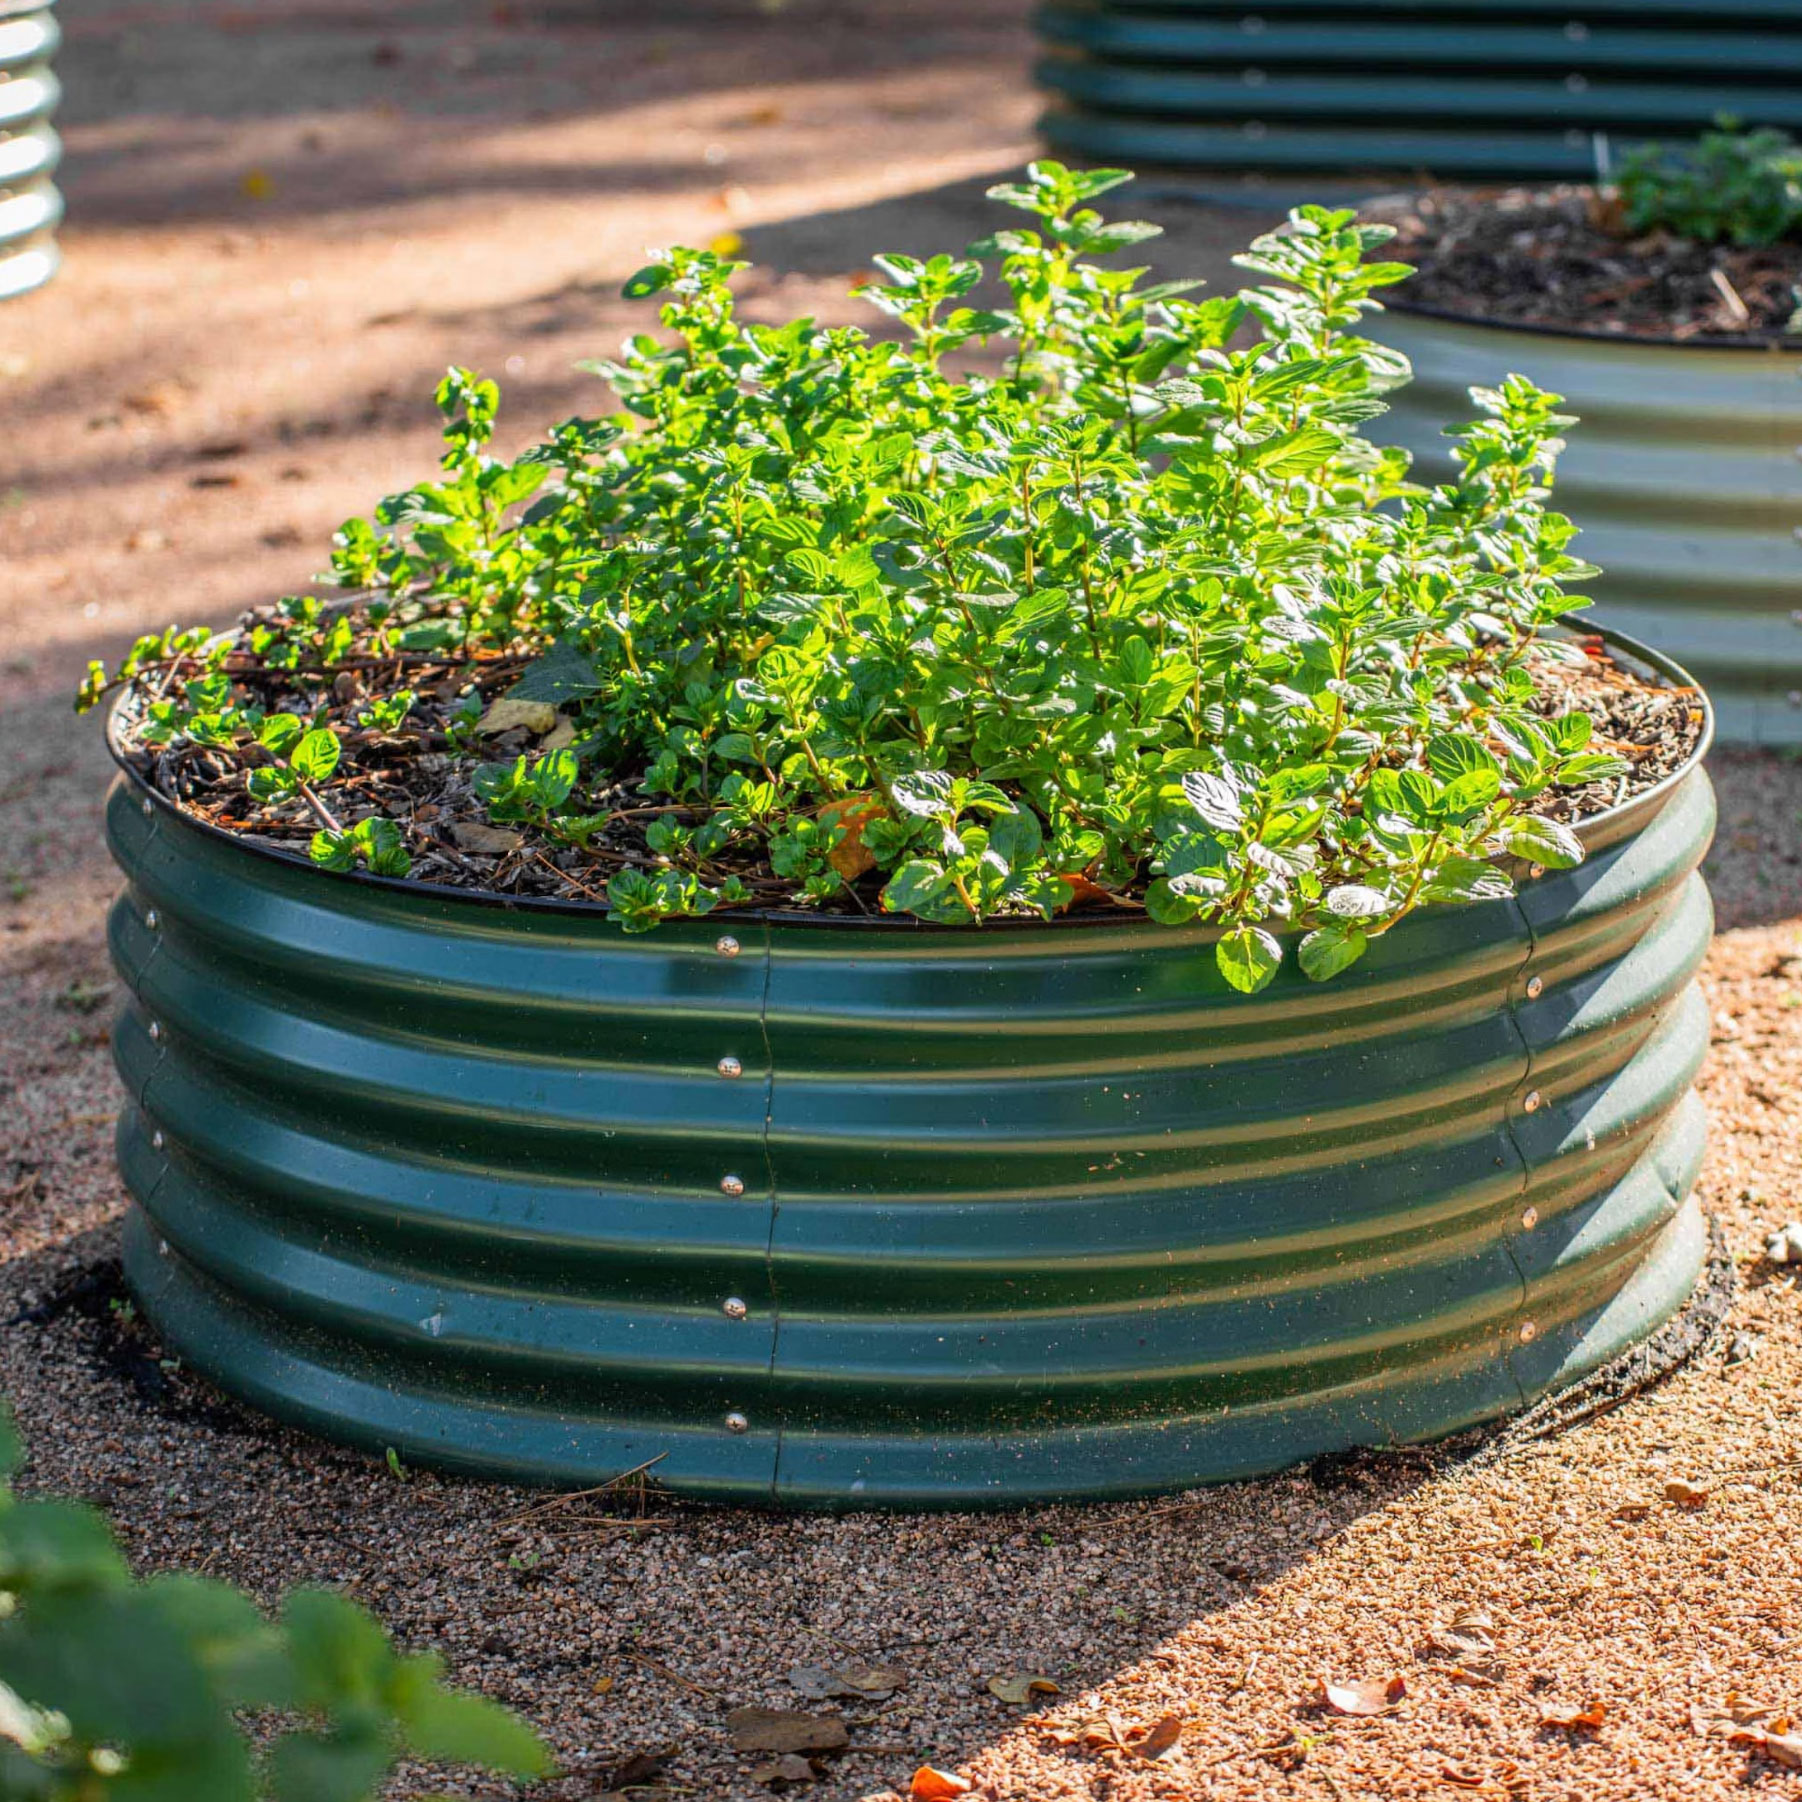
(30, 206)
(1685, 475)
(1458, 87)
(848, 1213)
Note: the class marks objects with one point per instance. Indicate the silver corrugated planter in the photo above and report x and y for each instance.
(30, 206)
(1685, 475)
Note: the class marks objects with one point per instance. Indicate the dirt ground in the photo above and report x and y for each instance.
(284, 223)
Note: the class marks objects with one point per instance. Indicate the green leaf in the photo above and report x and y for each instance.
(1249, 957)
(653, 278)
(280, 732)
(1353, 901)
(1542, 841)
(330, 1767)
(1452, 755)
(1329, 949)
(564, 673)
(1215, 799)
(316, 756)
(463, 1729)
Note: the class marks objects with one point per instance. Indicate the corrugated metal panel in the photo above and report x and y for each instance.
(30, 206)
(1482, 87)
(1685, 474)
(1011, 1213)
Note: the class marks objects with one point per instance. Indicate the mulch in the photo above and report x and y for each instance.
(1559, 257)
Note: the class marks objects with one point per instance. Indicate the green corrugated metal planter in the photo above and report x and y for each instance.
(865, 1213)
(1685, 475)
(30, 206)
(1460, 87)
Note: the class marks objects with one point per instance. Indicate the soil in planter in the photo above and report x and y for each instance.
(1560, 257)
(420, 779)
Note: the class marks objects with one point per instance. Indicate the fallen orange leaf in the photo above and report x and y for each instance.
(1589, 1719)
(1161, 1738)
(1377, 1696)
(932, 1785)
(1781, 1748)
(1082, 892)
(850, 856)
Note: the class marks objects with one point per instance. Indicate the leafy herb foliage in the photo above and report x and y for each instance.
(1730, 187)
(1098, 586)
(112, 1690)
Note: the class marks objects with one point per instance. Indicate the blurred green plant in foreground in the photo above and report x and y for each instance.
(115, 1690)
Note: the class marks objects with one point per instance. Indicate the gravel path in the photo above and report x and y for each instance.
(280, 234)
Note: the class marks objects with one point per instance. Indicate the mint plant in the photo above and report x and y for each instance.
(111, 1688)
(1083, 585)
(1730, 187)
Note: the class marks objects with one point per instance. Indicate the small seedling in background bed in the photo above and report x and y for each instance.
(1731, 187)
(374, 843)
(396, 1469)
(389, 712)
(527, 790)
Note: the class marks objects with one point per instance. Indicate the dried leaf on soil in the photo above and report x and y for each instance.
(1020, 1688)
(791, 1767)
(1587, 1719)
(779, 1730)
(850, 856)
(484, 841)
(1377, 1696)
(1780, 1747)
(505, 713)
(637, 1771)
(1470, 1632)
(933, 1785)
(1159, 1740)
(1685, 1495)
(821, 1683)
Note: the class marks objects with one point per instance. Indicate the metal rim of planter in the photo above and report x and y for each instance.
(1461, 87)
(30, 206)
(1684, 473)
(880, 1216)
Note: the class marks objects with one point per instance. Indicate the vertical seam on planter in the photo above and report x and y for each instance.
(1512, 1014)
(769, 1168)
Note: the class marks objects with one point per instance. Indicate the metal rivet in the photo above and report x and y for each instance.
(736, 1423)
(1576, 31)
(156, 1030)
(1795, 616)
(733, 1308)
(726, 946)
(1253, 78)
(1251, 24)
(1531, 1104)
(730, 1066)
(153, 919)
(1576, 140)
(1795, 697)
(156, 1139)
(147, 805)
(1530, 1219)
(1528, 1332)
(1535, 987)
(1253, 128)
(732, 1185)
(162, 1248)
(1576, 84)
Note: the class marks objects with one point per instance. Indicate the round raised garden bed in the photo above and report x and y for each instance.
(1685, 476)
(30, 206)
(841, 1212)
(1463, 87)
